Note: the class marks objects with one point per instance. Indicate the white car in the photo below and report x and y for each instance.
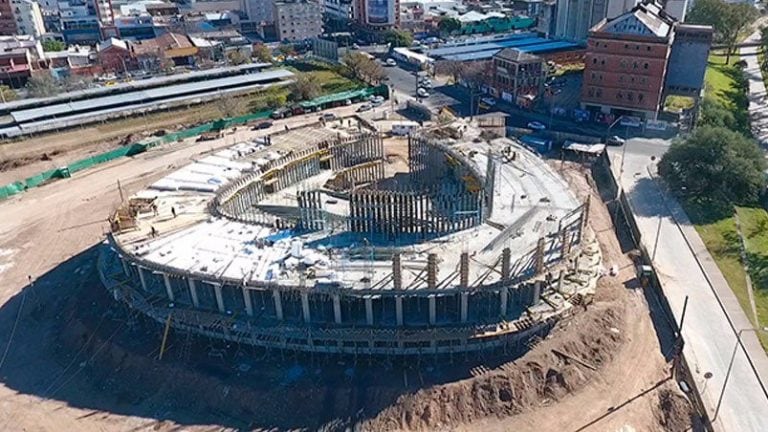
(421, 92)
(391, 62)
(488, 101)
(536, 126)
(615, 140)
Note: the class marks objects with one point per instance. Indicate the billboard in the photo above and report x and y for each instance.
(380, 11)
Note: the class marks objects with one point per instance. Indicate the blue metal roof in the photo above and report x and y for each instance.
(443, 52)
(556, 45)
(476, 40)
(543, 45)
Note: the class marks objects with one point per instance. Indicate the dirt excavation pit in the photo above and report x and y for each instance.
(600, 370)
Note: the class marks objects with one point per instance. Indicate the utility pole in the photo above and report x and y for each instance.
(120, 190)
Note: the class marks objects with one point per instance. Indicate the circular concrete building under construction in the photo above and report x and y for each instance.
(327, 239)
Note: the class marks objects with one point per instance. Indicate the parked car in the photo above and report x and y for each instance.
(365, 107)
(422, 92)
(281, 113)
(263, 125)
(328, 117)
(536, 126)
(391, 62)
(615, 140)
(488, 101)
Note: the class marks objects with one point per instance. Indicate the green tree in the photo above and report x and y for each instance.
(304, 88)
(363, 68)
(713, 113)
(262, 53)
(448, 25)
(728, 19)
(53, 45)
(42, 85)
(715, 166)
(286, 49)
(398, 38)
(237, 57)
(7, 94)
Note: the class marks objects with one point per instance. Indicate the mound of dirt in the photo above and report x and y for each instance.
(556, 367)
(674, 411)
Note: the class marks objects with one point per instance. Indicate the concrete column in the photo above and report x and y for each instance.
(536, 293)
(168, 288)
(464, 306)
(125, 266)
(141, 278)
(504, 294)
(305, 307)
(369, 310)
(432, 310)
(247, 299)
(560, 282)
(337, 309)
(219, 298)
(278, 304)
(399, 310)
(193, 292)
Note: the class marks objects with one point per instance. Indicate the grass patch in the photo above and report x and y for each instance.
(726, 84)
(723, 243)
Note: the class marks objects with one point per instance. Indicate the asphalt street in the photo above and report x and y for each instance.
(713, 318)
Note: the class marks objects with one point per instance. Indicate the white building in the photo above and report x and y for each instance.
(259, 11)
(29, 18)
(576, 17)
(298, 20)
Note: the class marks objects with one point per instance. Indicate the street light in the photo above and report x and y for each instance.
(730, 366)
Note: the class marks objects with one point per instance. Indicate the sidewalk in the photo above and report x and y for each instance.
(758, 105)
(713, 316)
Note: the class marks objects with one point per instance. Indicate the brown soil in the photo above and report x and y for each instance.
(68, 372)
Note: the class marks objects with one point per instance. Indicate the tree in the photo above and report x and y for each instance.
(229, 106)
(712, 113)
(715, 166)
(42, 85)
(448, 25)
(76, 82)
(237, 58)
(7, 94)
(728, 19)
(363, 68)
(304, 88)
(262, 53)
(286, 49)
(53, 45)
(398, 38)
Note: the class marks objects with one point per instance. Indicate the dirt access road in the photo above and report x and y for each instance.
(46, 226)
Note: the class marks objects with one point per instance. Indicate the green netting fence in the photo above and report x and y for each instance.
(143, 145)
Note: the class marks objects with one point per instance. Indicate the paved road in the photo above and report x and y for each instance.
(714, 315)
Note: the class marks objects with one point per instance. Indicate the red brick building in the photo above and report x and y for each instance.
(626, 62)
(518, 76)
(115, 56)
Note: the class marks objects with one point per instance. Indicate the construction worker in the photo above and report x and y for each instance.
(173, 212)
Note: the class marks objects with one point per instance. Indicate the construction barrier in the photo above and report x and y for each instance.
(20, 186)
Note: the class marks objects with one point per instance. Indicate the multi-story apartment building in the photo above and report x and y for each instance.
(29, 18)
(377, 14)
(19, 56)
(298, 20)
(628, 59)
(576, 17)
(7, 20)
